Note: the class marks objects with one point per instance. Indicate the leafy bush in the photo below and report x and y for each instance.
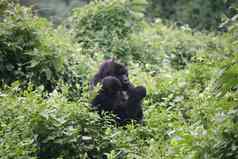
(226, 90)
(102, 26)
(5, 5)
(32, 126)
(199, 14)
(78, 69)
(163, 47)
(30, 50)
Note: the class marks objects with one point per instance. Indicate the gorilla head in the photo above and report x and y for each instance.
(111, 85)
(137, 93)
(112, 68)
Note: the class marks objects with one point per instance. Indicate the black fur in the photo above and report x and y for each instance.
(118, 95)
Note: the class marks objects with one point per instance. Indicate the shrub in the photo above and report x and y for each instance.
(31, 127)
(29, 50)
(199, 14)
(102, 26)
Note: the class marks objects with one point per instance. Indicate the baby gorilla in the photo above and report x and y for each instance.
(110, 98)
(134, 109)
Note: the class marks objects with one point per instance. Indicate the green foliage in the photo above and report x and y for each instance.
(227, 77)
(170, 46)
(4, 5)
(105, 25)
(190, 110)
(29, 50)
(77, 72)
(199, 14)
(54, 127)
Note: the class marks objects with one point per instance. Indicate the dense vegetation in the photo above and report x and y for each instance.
(191, 108)
(198, 14)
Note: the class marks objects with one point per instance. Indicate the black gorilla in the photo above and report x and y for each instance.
(110, 98)
(134, 103)
(117, 94)
(112, 68)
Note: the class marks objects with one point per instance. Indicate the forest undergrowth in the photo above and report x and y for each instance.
(191, 77)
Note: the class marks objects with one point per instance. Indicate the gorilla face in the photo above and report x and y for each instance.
(124, 81)
(111, 85)
(121, 72)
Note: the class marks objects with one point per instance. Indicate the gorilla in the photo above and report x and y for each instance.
(134, 103)
(117, 94)
(110, 98)
(112, 68)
